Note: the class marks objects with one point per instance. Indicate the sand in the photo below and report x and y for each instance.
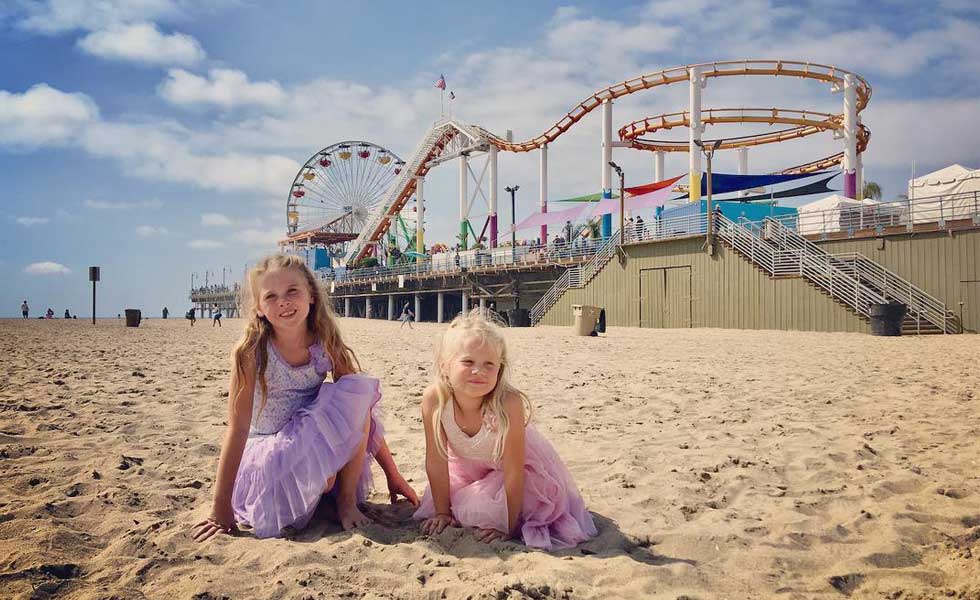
(717, 463)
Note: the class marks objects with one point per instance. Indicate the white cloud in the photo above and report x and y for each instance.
(261, 237)
(226, 88)
(29, 221)
(47, 268)
(204, 244)
(56, 16)
(151, 231)
(107, 205)
(43, 116)
(142, 43)
(215, 220)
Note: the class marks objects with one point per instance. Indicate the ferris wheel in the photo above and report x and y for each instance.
(337, 188)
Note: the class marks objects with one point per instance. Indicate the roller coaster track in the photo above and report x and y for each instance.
(441, 134)
(805, 123)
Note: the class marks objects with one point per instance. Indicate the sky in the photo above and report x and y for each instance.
(158, 139)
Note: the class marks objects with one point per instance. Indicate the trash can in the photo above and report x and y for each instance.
(586, 318)
(518, 317)
(133, 317)
(886, 319)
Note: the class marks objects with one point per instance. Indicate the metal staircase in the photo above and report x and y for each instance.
(926, 313)
(575, 277)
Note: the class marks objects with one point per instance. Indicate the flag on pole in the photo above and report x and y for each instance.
(441, 83)
(452, 95)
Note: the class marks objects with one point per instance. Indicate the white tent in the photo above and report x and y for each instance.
(949, 193)
(840, 213)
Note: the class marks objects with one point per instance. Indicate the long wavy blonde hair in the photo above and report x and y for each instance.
(466, 327)
(321, 322)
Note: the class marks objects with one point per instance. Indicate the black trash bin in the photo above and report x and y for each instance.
(133, 317)
(518, 317)
(886, 319)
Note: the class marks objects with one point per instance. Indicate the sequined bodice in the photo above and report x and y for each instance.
(288, 388)
(478, 447)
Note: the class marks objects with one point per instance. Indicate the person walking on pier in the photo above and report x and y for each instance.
(25, 309)
(407, 316)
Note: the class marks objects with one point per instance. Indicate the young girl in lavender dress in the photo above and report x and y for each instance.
(293, 437)
(488, 467)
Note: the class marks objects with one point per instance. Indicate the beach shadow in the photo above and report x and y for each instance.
(393, 524)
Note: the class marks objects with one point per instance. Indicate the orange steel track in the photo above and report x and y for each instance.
(806, 123)
(730, 68)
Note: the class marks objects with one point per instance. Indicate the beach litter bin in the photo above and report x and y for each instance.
(133, 317)
(586, 318)
(518, 317)
(886, 319)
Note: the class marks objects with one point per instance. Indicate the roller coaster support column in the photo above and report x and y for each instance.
(493, 196)
(850, 135)
(658, 165)
(419, 216)
(859, 171)
(696, 81)
(743, 167)
(463, 200)
(606, 229)
(544, 191)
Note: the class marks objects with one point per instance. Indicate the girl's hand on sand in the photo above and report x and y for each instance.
(491, 535)
(437, 523)
(213, 525)
(399, 487)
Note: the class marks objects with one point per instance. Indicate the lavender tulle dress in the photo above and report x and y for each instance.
(553, 515)
(307, 431)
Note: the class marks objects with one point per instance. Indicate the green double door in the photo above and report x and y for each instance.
(665, 297)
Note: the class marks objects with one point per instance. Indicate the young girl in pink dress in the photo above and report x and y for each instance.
(488, 467)
(292, 436)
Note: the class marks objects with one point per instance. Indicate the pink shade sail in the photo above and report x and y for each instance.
(550, 218)
(647, 200)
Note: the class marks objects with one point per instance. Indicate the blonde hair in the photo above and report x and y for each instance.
(321, 322)
(463, 328)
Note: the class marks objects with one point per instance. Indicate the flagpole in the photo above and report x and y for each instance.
(442, 108)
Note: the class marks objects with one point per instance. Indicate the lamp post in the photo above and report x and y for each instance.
(193, 275)
(513, 220)
(709, 152)
(223, 270)
(622, 202)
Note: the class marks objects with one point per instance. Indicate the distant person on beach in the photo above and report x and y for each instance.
(49, 314)
(488, 467)
(166, 312)
(67, 314)
(217, 317)
(294, 437)
(191, 317)
(407, 316)
(25, 310)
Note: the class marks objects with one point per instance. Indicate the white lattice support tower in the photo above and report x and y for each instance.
(544, 190)
(695, 83)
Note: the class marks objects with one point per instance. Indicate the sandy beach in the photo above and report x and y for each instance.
(717, 464)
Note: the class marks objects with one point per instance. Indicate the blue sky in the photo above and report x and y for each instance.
(158, 138)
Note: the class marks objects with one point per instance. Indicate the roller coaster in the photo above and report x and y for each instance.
(360, 219)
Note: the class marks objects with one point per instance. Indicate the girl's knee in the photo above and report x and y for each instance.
(329, 485)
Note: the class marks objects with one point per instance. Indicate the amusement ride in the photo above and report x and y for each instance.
(357, 202)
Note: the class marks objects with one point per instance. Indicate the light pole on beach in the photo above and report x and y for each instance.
(622, 201)
(223, 269)
(193, 275)
(709, 152)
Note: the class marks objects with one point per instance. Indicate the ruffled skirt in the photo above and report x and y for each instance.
(553, 515)
(282, 475)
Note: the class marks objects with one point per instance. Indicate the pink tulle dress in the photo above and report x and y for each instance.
(553, 516)
(307, 431)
